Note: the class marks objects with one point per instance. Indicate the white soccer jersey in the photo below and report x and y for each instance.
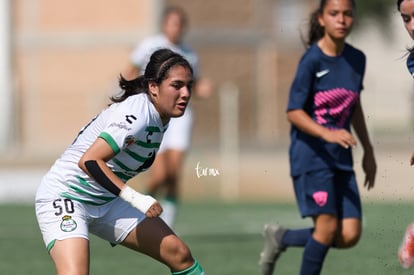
(141, 54)
(133, 129)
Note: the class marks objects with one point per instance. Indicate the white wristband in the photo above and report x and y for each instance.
(136, 199)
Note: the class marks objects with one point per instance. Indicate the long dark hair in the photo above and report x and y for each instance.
(399, 4)
(316, 31)
(161, 61)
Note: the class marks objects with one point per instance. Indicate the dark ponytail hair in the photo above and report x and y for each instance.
(160, 63)
(399, 4)
(316, 31)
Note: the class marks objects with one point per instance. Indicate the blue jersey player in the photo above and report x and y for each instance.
(324, 103)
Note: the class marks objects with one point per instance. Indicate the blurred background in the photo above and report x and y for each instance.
(60, 61)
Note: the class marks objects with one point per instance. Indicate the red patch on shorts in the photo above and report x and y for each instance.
(320, 198)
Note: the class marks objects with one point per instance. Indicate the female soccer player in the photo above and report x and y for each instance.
(324, 102)
(85, 191)
(406, 250)
(166, 171)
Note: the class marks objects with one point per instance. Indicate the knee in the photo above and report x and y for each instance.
(326, 233)
(183, 254)
(349, 238)
(178, 256)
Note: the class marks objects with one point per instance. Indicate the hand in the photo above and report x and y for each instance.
(412, 159)
(144, 203)
(340, 136)
(370, 168)
(154, 211)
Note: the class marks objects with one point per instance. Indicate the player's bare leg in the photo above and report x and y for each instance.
(349, 233)
(155, 239)
(71, 256)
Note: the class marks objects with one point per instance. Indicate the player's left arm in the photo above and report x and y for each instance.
(369, 164)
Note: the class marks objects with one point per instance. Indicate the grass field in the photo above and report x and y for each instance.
(224, 237)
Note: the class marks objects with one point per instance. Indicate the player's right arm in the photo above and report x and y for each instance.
(305, 123)
(93, 162)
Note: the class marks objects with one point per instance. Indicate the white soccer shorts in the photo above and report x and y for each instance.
(61, 218)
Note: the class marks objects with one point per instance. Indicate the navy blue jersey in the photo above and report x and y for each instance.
(326, 88)
(410, 63)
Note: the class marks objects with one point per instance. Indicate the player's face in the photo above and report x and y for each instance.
(172, 96)
(174, 27)
(407, 14)
(337, 18)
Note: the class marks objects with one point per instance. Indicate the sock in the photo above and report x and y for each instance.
(169, 206)
(195, 269)
(313, 257)
(298, 237)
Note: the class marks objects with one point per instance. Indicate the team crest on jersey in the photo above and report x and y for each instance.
(129, 140)
(68, 224)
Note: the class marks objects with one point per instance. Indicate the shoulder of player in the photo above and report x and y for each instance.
(138, 110)
(136, 104)
(353, 51)
(311, 57)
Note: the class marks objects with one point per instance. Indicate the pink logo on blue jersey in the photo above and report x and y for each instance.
(320, 198)
(333, 107)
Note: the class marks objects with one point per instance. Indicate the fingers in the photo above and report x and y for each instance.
(348, 142)
(154, 211)
(343, 138)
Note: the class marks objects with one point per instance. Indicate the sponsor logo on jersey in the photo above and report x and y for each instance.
(322, 73)
(121, 125)
(68, 224)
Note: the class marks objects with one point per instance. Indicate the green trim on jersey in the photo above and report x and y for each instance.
(79, 190)
(121, 165)
(147, 145)
(135, 156)
(154, 129)
(69, 196)
(123, 176)
(83, 181)
(82, 192)
(107, 137)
